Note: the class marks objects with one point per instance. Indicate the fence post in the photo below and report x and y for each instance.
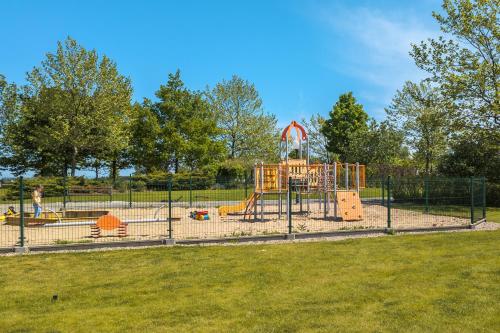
(388, 202)
(325, 188)
(484, 196)
(170, 208)
(190, 190)
(64, 191)
(130, 191)
(21, 211)
(245, 184)
(383, 191)
(471, 200)
(426, 189)
(289, 208)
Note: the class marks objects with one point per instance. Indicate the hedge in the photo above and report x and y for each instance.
(444, 191)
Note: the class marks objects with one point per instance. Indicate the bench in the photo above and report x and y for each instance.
(90, 191)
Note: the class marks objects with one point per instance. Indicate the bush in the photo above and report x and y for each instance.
(53, 186)
(158, 181)
(439, 190)
(493, 194)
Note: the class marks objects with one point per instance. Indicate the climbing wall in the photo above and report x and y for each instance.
(349, 206)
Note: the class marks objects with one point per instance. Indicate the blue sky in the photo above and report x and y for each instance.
(301, 55)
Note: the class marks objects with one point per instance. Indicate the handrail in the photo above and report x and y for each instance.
(57, 215)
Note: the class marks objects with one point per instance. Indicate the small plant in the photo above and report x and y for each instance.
(301, 227)
(241, 233)
(66, 242)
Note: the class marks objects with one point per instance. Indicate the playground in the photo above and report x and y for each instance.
(185, 227)
(291, 196)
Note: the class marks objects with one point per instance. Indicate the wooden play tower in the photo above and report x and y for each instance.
(331, 188)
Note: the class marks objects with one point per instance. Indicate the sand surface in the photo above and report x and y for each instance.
(184, 227)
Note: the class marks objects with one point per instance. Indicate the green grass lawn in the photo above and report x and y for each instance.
(421, 283)
(493, 214)
(184, 196)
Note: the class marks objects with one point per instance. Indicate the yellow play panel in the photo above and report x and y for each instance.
(349, 206)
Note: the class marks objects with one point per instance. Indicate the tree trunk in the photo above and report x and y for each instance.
(96, 171)
(114, 170)
(427, 164)
(65, 169)
(73, 161)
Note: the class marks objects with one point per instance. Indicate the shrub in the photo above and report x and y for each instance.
(493, 194)
(437, 191)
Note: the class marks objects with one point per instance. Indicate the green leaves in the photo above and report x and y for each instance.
(379, 143)
(422, 113)
(466, 65)
(179, 131)
(318, 142)
(249, 133)
(346, 117)
(73, 112)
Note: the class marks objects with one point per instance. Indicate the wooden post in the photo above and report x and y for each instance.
(347, 176)
(262, 191)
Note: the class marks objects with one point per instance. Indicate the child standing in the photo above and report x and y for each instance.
(36, 196)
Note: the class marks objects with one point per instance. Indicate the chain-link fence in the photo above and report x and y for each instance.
(195, 208)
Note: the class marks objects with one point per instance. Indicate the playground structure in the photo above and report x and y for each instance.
(314, 194)
(332, 187)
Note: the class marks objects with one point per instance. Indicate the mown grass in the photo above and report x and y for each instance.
(425, 283)
(493, 214)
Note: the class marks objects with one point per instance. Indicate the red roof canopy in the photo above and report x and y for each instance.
(298, 127)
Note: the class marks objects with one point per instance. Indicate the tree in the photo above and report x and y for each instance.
(379, 143)
(345, 118)
(471, 155)
(75, 109)
(421, 113)
(10, 113)
(466, 66)
(318, 142)
(145, 147)
(188, 129)
(249, 132)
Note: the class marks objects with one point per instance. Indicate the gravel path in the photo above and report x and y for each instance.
(487, 226)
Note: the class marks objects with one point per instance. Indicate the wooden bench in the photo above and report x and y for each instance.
(78, 191)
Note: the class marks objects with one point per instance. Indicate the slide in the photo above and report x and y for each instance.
(243, 206)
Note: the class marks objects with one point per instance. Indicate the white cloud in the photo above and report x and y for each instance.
(373, 46)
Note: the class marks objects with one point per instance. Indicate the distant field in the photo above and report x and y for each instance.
(184, 195)
(421, 283)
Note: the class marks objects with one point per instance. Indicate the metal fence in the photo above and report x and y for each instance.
(190, 209)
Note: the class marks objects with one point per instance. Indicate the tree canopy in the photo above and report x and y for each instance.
(74, 108)
(421, 112)
(178, 131)
(250, 134)
(346, 117)
(465, 62)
